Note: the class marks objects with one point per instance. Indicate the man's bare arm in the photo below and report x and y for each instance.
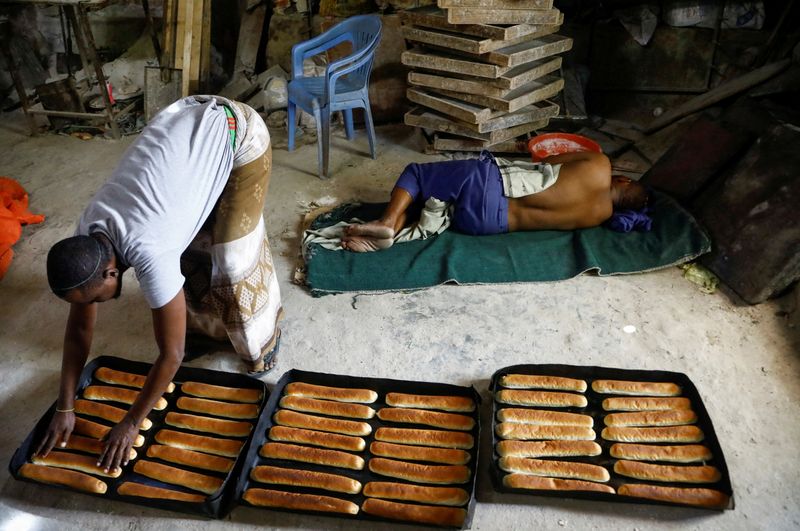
(77, 344)
(169, 327)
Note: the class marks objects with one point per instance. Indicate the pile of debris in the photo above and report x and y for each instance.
(483, 71)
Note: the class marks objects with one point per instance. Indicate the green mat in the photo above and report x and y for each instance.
(515, 257)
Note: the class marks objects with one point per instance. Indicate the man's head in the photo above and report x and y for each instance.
(627, 194)
(82, 269)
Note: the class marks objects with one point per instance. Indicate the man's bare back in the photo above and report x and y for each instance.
(581, 197)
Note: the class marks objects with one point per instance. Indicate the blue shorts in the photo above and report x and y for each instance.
(474, 187)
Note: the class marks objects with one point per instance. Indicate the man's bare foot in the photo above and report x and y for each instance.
(364, 244)
(366, 237)
(373, 229)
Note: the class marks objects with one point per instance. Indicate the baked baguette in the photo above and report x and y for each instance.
(178, 476)
(98, 431)
(219, 392)
(305, 478)
(65, 478)
(200, 443)
(532, 432)
(298, 502)
(675, 474)
(673, 417)
(228, 428)
(532, 381)
(544, 417)
(327, 407)
(317, 456)
(674, 434)
(285, 417)
(131, 488)
(424, 514)
(106, 412)
(682, 453)
(548, 448)
(447, 456)
(79, 462)
(338, 394)
(449, 421)
(217, 408)
(557, 469)
(540, 398)
(638, 403)
(316, 438)
(439, 474)
(179, 456)
(90, 446)
(622, 387)
(117, 394)
(708, 498)
(460, 404)
(402, 491)
(528, 481)
(437, 438)
(111, 376)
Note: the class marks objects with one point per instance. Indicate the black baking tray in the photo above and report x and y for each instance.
(595, 409)
(381, 386)
(216, 505)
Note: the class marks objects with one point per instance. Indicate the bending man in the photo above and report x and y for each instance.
(203, 163)
(491, 196)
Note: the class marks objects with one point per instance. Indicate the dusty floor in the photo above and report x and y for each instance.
(744, 360)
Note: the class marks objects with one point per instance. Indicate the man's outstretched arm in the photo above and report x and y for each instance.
(77, 343)
(169, 327)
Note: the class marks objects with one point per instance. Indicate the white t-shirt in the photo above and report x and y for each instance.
(162, 192)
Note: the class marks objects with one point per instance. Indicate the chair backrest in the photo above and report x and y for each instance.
(364, 31)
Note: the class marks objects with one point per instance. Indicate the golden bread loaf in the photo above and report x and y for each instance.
(419, 473)
(448, 421)
(679, 453)
(437, 438)
(305, 478)
(424, 514)
(317, 456)
(532, 381)
(460, 404)
(66, 478)
(217, 408)
(339, 394)
(178, 476)
(448, 456)
(219, 392)
(180, 456)
(548, 448)
(131, 488)
(622, 387)
(453, 496)
(518, 397)
(112, 376)
(327, 407)
(200, 443)
(708, 498)
(556, 469)
(316, 438)
(528, 481)
(298, 502)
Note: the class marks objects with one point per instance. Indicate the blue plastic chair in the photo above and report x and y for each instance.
(343, 87)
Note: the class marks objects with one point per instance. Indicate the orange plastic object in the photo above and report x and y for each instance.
(550, 144)
(13, 214)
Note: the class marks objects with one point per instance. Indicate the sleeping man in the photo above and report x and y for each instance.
(491, 195)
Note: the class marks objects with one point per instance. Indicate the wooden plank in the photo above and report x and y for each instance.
(719, 93)
(525, 75)
(452, 107)
(449, 143)
(167, 58)
(525, 52)
(498, 4)
(250, 30)
(469, 43)
(476, 15)
(538, 90)
(418, 58)
(180, 29)
(188, 28)
(205, 48)
(489, 130)
(433, 17)
(197, 40)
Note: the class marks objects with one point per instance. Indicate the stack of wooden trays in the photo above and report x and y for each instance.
(483, 71)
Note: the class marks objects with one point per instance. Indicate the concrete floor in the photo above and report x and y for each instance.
(744, 360)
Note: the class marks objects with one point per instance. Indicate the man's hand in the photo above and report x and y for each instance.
(118, 445)
(61, 426)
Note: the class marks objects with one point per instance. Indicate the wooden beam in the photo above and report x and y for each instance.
(476, 15)
(469, 43)
(726, 90)
(205, 48)
(180, 32)
(197, 42)
(524, 75)
(188, 27)
(250, 30)
(497, 4)
(422, 117)
(418, 58)
(538, 90)
(433, 17)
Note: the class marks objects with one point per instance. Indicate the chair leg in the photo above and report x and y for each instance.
(348, 123)
(326, 140)
(370, 128)
(291, 109)
(320, 140)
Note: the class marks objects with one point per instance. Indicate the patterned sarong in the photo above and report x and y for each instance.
(231, 288)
